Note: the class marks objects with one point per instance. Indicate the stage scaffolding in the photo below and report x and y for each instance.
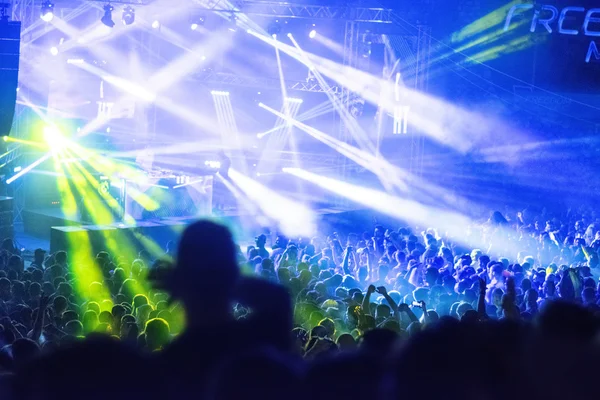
(28, 13)
(357, 39)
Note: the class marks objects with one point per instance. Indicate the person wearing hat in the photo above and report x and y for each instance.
(206, 280)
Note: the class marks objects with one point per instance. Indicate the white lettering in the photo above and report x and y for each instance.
(592, 50)
(590, 18)
(544, 22)
(512, 12)
(563, 16)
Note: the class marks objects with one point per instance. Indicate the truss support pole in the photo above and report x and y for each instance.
(417, 147)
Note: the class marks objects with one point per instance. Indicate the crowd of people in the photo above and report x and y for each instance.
(510, 310)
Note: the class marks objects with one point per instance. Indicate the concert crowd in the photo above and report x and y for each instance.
(510, 310)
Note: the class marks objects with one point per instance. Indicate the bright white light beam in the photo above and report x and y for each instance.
(29, 168)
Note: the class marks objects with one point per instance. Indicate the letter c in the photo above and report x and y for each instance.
(561, 20)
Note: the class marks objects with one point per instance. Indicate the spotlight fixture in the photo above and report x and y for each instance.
(312, 34)
(54, 50)
(289, 35)
(213, 164)
(107, 17)
(128, 16)
(196, 21)
(156, 24)
(47, 13)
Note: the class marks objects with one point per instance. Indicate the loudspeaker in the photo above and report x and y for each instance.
(6, 217)
(10, 42)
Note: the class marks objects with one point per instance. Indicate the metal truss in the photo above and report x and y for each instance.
(24, 11)
(223, 78)
(417, 147)
(130, 2)
(279, 9)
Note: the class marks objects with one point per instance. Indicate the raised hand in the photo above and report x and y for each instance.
(371, 289)
(382, 290)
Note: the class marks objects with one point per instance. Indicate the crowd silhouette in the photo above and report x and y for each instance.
(389, 313)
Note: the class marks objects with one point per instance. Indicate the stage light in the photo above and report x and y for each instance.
(54, 138)
(312, 34)
(47, 13)
(293, 100)
(197, 21)
(219, 93)
(128, 16)
(54, 50)
(107, 17)
(289, 35)
(156, 24)
(213, 164)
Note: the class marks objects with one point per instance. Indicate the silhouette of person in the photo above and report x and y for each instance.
(206, 279)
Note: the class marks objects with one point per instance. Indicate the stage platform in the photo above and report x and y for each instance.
(61, 232)
(37, 222)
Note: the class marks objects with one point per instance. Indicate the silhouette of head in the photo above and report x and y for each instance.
(206, 269)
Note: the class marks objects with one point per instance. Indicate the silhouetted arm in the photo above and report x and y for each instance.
(481, 301)
(36, 333)
(366, 304)
(423, 306)
(411, 315)
(383, 291)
